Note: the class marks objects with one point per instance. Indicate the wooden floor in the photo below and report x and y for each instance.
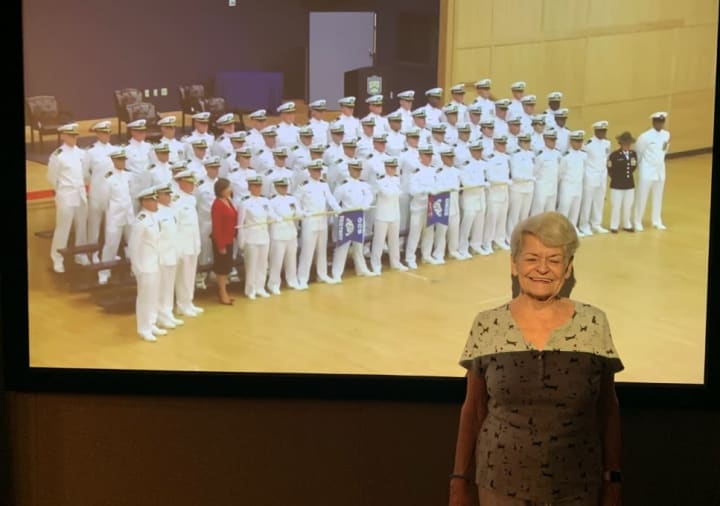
(651, 284)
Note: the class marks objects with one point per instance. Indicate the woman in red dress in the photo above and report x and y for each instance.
(224, 227)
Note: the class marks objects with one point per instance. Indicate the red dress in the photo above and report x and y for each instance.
(224, 221)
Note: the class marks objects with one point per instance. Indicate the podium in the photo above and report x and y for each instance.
(393, 79)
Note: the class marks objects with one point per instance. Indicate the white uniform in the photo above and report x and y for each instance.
(314, 198)
(373, 167)
(118, 217)
(168, 254)
(188, 244)
(287, 135)
(96, 164)
(448, 178)
(451, 134)
(65, 175)
(462, 153)
(498, 200)
(337, 171)
(433, 115)
(254, 139)
(487, 106)
(138, 161)
(570, 177)
(352, 127)
(194, 136)
(160, 173)
(472, 203)
(550, 118)
(395, 143)
(321, 130)
(333, 152)
(204, 197)
(351, 194)
(408, 161)
(421, 183)
(273, 175)
(283, 241)
(254, 240)
(547, 165)
(563, 139)
(197, 167)
(651, 147)
(262, 160)
(522, 164)
(512, 143)
(381, 124)
(537, 142)
(387, 222)
(177, 150)
(298, 157)
(145, 262)
(407, 118)
(222, 146)
(595, 184)
(462, 111)
(515, 108)
(364, 146)
(501, 127)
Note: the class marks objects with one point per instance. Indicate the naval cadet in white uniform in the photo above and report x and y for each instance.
(320, 127)
(498, 195)
(201, 125)
(375, 106)
(518, 92)
(223, 145)
(447, 178)
(405, 100)
(522, 166)
(287, 130)
(188, 243)
(473, 203)
(595, 181)
(283, 238)
(484, 98)
(652, 146)
(573, 165)
(457, 98)
(395, 137)
(262, 160)
(421, 183)
(351, 124)
(433, 108)
(138, 152)
(168, 256)
(96, 164)
(168, 126)
(387, 219)
(547, 165)
(65, 175)
(554, 100)
(161, 168)
(257, 120)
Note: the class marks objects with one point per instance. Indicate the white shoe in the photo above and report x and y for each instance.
(147, 336)
(429, 260)
(158, 331)
(251, 296)
(200, 285)
(177, 321)
(600, 230)
(660, 226)
(466, 255)
(457, 255)
(96, 258)
(197, 309)
(439, 261)
(187, 312)
(274, 290)
(585, 231)
(103, 280)
(263, 294)
(638, 227)
(302, 286)
(580, 233)
(411, 264)
(82, 260)
(59, 268)
(502, 245)
(329, 280)
(165, 324)
(400, 267)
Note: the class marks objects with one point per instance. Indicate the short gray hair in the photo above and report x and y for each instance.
(553, 229)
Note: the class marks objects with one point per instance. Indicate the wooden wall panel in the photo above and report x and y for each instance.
(516, 21)
(695, 48)
(631, 115)
(651, 56)
(470, 65)
(473, 23)
(562, 70)
(691, 120)
(608, 77)
(564, 17)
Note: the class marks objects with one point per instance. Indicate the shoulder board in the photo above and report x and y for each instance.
(540, 152)
(151, 166)
(583, 150)
(327, 146)
(517, 150)
(273, 196)
(370, 156)
(260, 151)
(246, 197)
(322, 180)
(228, 155)
(491, 155)
(184, 138)
(57, 151)
(141, 216)
(466, 162)
(339, 160)
(405, 149)
(381, 176)
(175, 197)
(306, 182)
(416, 170)
(344, 181)
(566, 153)
(108, 173)
(589, 141)
(200, 182)
(439, 170)
(294, 148)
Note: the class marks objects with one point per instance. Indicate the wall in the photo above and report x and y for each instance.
(116, 450)
(81, 52)
(612, 59)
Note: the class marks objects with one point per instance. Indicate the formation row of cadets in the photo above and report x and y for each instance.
(261, 145)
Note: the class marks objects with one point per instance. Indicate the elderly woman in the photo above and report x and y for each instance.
(540, 416)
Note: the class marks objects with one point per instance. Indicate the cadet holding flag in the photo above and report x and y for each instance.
(357, 195)
(447, 178)
(421, 182)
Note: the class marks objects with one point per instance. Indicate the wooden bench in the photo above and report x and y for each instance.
(44, 234)
(82, 249)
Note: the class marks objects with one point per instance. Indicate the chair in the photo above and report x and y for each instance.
(190, 97)
(146, 111)
(123, 98)
(44, 117)
(216, 107)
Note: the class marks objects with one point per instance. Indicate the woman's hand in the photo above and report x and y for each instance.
(222, 251)
(460, 493)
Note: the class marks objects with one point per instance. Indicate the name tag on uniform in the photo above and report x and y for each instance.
(633, 162)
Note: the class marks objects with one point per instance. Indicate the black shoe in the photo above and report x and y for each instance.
(629, 229)
(613, 231)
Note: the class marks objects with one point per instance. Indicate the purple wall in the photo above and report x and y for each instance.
(81, 51)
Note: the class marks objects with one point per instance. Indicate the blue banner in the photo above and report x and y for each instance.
(350, 226)
(438, 210)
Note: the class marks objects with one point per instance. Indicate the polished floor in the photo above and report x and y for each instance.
(651, 284)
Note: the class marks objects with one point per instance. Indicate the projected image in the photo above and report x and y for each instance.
(339, 201)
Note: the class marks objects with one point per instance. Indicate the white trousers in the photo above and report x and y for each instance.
(255, 258)
(146, 302)
(621, 204)
(496, 221)
(543, 202)
(592, 207)
(519, 209)
(113, 234)
(65, 218)
(569, 205)
(449, 234)
(185, 282)
(653, 189)
(472, 227)
(166, 292)
(206, 250)
(417, 230)
(340, 254)
(390, 231)
(94, 220)
(313, 243)
(283, 257)
(404, 211)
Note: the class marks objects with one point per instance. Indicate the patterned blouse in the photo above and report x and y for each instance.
(540, 440)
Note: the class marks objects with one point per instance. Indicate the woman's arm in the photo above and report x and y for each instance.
(217, 220)
(472, 414)
(609, 425)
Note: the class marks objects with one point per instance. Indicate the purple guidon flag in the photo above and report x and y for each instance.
(350, 226)
(438, 210)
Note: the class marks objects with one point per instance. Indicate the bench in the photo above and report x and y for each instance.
(44, 234)
(82, 249)
(109, 265)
